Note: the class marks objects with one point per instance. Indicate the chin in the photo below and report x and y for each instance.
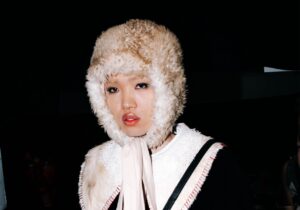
(133, 133)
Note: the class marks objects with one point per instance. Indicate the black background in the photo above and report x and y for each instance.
(46, 112)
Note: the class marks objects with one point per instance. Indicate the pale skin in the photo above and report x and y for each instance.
(130, 98)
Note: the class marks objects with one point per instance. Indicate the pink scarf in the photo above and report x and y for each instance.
(137, 177)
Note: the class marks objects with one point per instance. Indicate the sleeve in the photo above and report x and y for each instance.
(87, 179)
(97, 182)
(82, 195)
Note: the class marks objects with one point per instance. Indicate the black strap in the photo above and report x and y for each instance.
(188, 174)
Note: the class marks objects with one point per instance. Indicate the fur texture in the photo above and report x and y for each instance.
(100, 176)
(139, 46)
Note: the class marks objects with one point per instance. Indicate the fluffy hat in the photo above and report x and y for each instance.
(140, 46)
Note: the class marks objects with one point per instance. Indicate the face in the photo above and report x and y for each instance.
(130, 99)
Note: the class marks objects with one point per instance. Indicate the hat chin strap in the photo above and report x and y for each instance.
(137, 179)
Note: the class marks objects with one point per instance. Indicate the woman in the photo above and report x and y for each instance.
(136, 86)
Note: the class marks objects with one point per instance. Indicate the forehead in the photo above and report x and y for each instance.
(129, 77)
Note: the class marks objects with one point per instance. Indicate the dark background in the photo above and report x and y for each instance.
(48, 125)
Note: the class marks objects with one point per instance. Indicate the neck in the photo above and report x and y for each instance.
(167, 141)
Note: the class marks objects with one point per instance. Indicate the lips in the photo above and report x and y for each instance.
(130, 119)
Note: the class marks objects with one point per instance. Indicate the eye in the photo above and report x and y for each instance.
(112, 90)
(142, 85)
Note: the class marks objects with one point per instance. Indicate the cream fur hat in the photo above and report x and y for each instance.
(139, 46)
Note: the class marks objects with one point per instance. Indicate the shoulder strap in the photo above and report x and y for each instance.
(187, 174)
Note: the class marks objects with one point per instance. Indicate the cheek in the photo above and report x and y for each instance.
(147, 102)
(112, 104)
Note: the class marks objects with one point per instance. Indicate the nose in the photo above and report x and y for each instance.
(128, 100)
